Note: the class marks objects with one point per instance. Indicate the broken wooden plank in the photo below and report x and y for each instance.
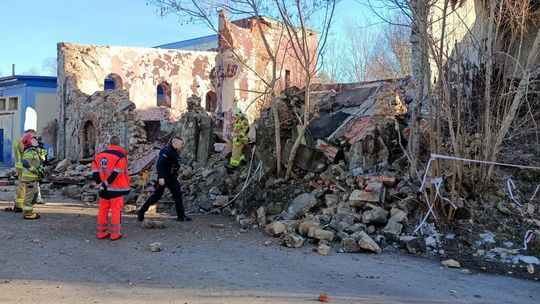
(141, 164)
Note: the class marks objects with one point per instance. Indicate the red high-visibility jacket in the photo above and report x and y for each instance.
(110, 170)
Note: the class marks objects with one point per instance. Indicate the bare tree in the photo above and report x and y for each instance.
(370, 52)
(358, 48)
(206, 12)
(481, 79)
(300, 17)
(334, 63)
(390, 56)
(49, 66)
(33, 71)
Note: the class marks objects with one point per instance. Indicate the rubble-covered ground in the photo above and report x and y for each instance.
(212, 260)
(348, 193)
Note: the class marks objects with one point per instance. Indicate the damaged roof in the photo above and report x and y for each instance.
(346, 110)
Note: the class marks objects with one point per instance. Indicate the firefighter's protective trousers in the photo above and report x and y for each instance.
(32, 172)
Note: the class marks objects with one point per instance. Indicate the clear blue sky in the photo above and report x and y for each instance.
(32, 28)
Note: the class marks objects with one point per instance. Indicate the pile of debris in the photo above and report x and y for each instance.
(348, 192)
(375, 212)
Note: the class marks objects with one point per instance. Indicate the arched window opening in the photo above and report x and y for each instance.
(113, 82)
(211, 101)
(164, 94)
(89, 139)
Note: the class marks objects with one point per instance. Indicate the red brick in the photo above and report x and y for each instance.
(388, 181)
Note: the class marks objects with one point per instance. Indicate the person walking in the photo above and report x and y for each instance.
(109, 171)
(33, 171)
(168, 166)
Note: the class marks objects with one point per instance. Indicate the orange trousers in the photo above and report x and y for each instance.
(115, 205)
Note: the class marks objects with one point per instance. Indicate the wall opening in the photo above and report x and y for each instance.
(89, 139)
(287, 79)
(152, 129)
(164, 94)
(211, 101)
(113, 82)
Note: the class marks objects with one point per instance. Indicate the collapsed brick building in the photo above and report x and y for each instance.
(152, 85)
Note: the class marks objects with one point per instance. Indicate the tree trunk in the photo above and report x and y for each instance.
(277, 132)
(522, 89)
(294, 149)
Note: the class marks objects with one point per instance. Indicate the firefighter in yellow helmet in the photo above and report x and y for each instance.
(18, 149)
(239, 137)
(33, 171)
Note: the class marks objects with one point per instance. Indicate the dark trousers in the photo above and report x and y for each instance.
(174, 187)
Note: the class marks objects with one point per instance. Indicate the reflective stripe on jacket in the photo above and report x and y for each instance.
(31, 161)
(112, 160)
(240, 128)
(17, 153)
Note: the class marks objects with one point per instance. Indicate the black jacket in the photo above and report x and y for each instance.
(168, 163)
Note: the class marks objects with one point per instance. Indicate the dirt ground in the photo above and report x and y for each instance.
(57, 259)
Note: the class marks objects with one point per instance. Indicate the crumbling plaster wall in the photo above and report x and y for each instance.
(109, 113)
(82, 70)
(240, 86)
(141, 70)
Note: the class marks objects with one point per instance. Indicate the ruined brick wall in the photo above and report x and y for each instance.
(91, 120)
(137, 72)
(241, 86)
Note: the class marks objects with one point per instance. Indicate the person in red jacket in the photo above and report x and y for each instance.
(109, 171)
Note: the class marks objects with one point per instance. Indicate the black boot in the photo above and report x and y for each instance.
(17, 209)
(140, 216)
(183, 219)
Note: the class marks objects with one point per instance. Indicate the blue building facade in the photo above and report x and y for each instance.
(17, 94)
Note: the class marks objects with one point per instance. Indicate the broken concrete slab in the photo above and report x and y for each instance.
(320, 234)
(304, 227)
(329, 151)
(293, 240)
(344, 208)
(451, 263)
(324, 249)
(392, 230)
(375, 216)
(399, 216)
(301, 204)
(275, 229)
(331, 200)
(413, 244)
(359, 198)
(367, 243)
(143, 163)
(155, 247)
(349, 244)
(63, 165)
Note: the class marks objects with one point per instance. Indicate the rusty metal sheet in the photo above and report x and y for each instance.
(354, 130)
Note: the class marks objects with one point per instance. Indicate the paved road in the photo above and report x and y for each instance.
(58, 260)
